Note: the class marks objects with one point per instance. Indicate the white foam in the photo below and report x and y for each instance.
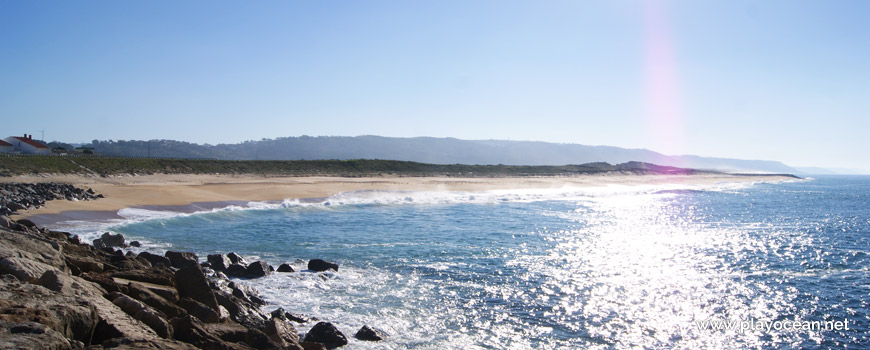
(92, 230)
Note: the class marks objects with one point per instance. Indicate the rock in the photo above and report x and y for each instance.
(326, 334)
(85, 264)
(155, 260)
(191, 283)
(143, 313)
(282, 333)
(369, 334)
(236, 270)
(236, 259)
(25, 270)
(6, 222)
(285, 268)
(153, 275)
(73, 317)
(219, 262)
(58, 282)
(152, 299)
(135, 244)
(110, 240)
(282, 314)
(307, 345)
(321, 265)
(181, 260)
(191, 330)
(102, 280)
(26, 223)
(150, 344)
(244, 312)
(199, 310)
(235, 333)
(258, 269)
(31, 335)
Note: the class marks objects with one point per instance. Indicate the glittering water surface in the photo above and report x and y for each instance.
(603, 268)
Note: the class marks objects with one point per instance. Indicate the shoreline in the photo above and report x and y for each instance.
(193, 193)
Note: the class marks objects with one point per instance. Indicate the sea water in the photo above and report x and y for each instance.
(610, 267)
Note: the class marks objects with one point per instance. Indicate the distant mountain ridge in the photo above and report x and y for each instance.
(427, 150)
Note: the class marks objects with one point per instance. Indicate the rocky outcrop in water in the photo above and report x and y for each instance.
(56, 293)
(24, 196)
(321, 265)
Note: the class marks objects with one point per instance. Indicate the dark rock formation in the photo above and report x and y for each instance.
(280, 313)
(236, 270)
(191, 283)
(22, 196)
(321, 265)
(283, 334)
(199, 310)
(180, 260)
(236, 259)
(219, 262)
(369, 334)
(154, 259)
(258, 269)
(108, 240)
(326, 334)
(285, 268)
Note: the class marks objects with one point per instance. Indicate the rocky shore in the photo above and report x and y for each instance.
(23, 196)
(59, 293)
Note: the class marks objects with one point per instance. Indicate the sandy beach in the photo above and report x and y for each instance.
(178, 190)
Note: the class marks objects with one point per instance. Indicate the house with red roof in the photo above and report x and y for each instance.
(27, 145)
(6, 147)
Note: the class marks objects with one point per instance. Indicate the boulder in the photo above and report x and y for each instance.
(307, 345)
(154, 259)
(190, 330)
(25, 270)
(235, 333)
(244, 312)
(135, 244)
(258, 269)
(26, 223)
(181, 260)
(72, 316)
(192, 283)
(152, 299)
(85, 263)
(282, 333)
(143, 344)
(321, 265)
(143, 313)
(369, 334)
(159, 276)
(200, 310)
(326, 334)
(285, 268)
(219, 262)
(236, 259)
(102, 280)
(236, 270)
(110, 240)
(31, 335)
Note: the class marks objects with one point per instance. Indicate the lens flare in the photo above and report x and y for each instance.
(661, 85)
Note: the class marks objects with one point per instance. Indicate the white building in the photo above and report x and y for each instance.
(6, 147)
(27, 145)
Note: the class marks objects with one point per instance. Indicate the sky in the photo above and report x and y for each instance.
(785, 80)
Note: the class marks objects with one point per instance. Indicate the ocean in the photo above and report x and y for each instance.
(727, 266)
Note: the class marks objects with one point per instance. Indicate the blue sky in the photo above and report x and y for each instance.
(781, 80)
